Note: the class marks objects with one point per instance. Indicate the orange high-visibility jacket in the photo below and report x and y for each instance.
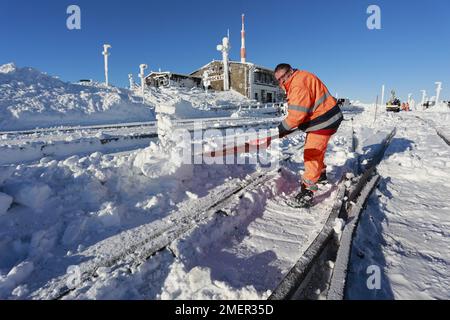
(311, 107)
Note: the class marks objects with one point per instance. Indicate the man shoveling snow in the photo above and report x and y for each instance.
(311, 108)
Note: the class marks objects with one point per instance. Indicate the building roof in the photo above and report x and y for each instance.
(169, 73)
(235, 62)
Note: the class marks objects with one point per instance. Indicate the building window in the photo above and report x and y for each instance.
(256, 96)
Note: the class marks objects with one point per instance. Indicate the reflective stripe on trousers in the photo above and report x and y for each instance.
(314, 156)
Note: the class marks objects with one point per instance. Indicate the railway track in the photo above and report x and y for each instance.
(308, 273)
(133, 125)
(133, 247)
(53, 142)
(143, 242)
(438, 131)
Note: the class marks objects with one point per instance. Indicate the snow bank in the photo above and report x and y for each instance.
(66, 206)
(31, 99)
(197, 284)
(440, 107)
(182, 103)
(16, 276)
(34, 195)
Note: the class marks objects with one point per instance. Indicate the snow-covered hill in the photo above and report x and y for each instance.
(31, 99)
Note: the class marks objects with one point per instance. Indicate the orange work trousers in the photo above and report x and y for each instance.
(314, 157)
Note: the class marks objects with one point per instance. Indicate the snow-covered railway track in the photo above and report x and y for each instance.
(133, 247)
(28, 146)
(441, 134)
(133, 125)
(324, 264)
(443, 137)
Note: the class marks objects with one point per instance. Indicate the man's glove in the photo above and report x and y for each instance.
(283, 132)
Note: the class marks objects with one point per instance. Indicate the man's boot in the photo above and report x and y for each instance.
(305, 198)
(323, 178)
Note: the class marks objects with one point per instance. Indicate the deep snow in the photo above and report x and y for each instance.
(54, 212)
(31, 99)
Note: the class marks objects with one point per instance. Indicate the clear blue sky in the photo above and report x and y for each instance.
(329, 38)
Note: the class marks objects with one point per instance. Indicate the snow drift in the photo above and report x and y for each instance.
(31, 99)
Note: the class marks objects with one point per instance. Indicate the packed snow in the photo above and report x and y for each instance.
(406, 228)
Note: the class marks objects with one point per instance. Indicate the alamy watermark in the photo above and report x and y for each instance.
(374, 20)
(221, 147)
(374, 280)
(73, 22)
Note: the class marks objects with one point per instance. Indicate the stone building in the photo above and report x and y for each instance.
(168, 79)
(252, 81)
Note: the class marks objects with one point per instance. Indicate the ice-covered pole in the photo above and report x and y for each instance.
(142, 68)
(225, 48)
(243, 49)
(206, 81)
(130, 78)
(105, 53)
(424, 96)
(438, 91)
(382, 94)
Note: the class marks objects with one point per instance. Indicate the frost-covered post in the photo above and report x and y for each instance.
(382, 94)
(130, 78)
(424, 96)
(142, 68)
(376, 111)
(206, 81)
(438, 91)
(225, 48)
(106, 54)
(251, 79)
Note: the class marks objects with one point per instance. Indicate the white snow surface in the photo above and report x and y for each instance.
(31, 99)
(64, 207)
(405, 230)
(182, 103)
(54, 212)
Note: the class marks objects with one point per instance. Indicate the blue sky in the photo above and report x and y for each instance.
(329, 38)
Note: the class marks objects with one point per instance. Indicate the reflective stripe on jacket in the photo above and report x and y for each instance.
(310, 105)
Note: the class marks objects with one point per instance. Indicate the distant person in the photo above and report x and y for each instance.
(311, 108)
